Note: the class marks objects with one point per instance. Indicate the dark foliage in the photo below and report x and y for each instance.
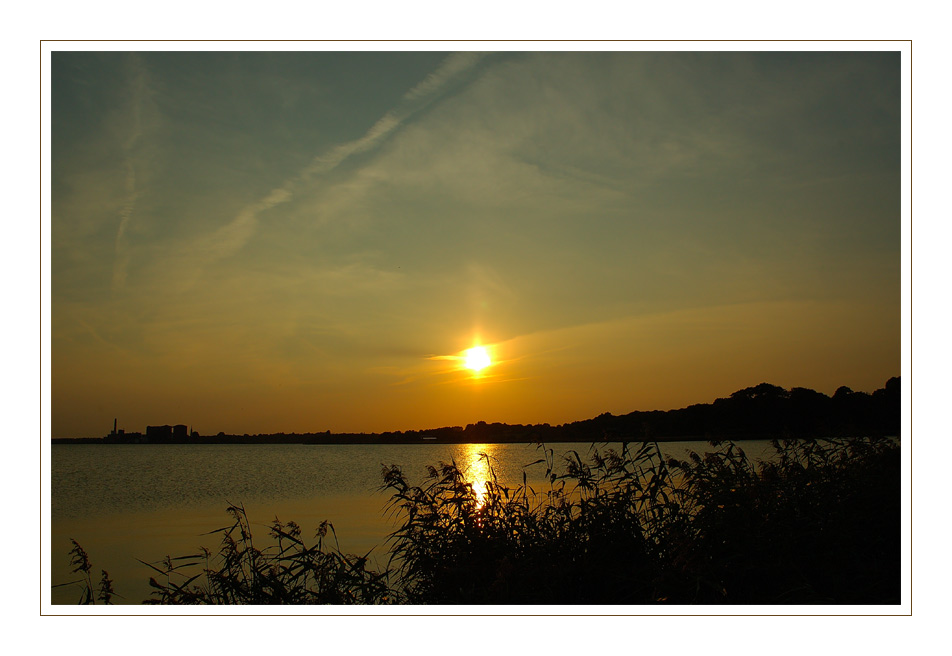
(762, 411)
(819, 524)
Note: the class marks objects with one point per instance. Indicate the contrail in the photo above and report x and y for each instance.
(230, 238)
(122, 257)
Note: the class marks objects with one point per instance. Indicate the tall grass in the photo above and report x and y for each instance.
(817, 523)
(89, 594)
(583, 540)
(287, 571)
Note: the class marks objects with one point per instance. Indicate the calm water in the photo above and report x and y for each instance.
(129, 502)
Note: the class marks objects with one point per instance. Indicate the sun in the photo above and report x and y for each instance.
(477, 358)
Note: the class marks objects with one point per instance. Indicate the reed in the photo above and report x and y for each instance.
(287, 571)
(816, 523)
(89, 594)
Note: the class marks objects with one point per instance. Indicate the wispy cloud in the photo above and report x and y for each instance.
(122, 255)
(452, 66)
(230, 238)
(414, 100)
(139, 87)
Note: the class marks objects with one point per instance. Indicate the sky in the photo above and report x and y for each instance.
(259, 242)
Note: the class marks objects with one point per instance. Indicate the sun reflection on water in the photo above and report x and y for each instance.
(476, 461)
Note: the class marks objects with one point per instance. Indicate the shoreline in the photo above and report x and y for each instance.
(334, 440)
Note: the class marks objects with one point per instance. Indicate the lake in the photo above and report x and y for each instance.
(129, 502)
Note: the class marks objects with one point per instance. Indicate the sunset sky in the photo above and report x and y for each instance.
(308, 241)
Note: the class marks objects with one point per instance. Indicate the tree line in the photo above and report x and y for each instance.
(759, 412)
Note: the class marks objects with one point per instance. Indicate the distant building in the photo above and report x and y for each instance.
(157, 434)
(180, 432)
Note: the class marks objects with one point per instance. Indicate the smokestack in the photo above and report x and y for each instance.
(115, 425)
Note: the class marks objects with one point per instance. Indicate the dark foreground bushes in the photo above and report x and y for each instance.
(819, 523)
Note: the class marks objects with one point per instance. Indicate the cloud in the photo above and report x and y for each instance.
(414, 100)
(140, 94)
(228, 239)
(452, 66)
(122, 255)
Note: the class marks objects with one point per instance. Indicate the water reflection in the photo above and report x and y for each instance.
(475, 462)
